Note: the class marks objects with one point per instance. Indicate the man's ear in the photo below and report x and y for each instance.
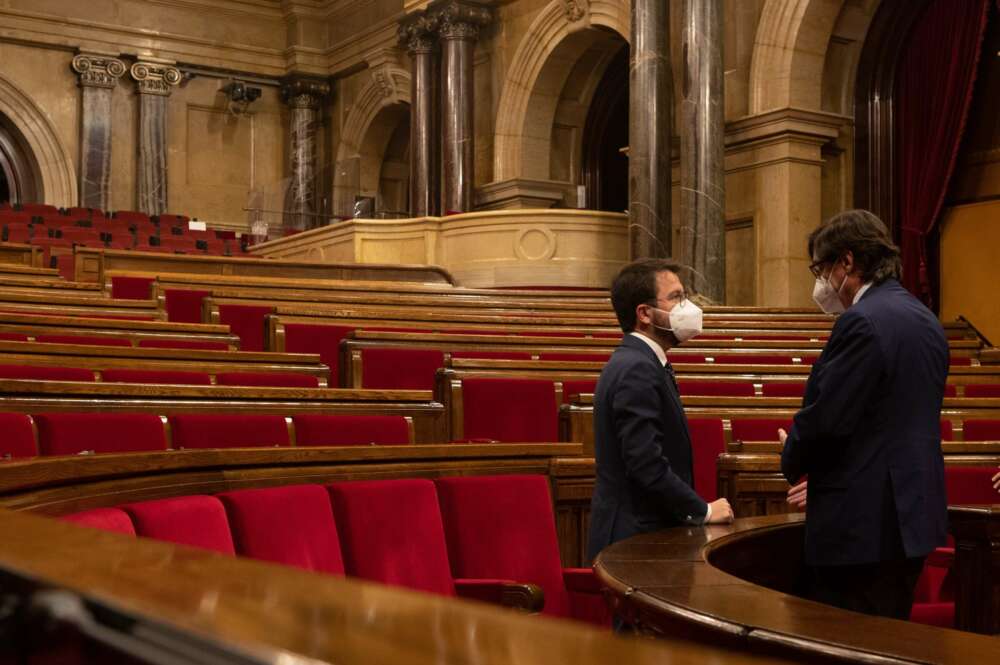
(848, 260)
(642, 314)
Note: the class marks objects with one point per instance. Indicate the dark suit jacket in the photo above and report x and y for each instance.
(643, 450)
(868, 434)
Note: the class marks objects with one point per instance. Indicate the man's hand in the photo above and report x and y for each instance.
(782, 436)
(797, 495)
(996, 482)
(722, 512)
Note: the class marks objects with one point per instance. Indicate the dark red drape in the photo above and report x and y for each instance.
(934, 82)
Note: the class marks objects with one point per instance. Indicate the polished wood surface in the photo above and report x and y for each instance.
(976, 530)
(19, 254)
(729, 585)
(288, 616)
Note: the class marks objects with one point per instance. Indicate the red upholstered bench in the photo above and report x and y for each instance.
(708, 441)
(716, 388)
(982, 390)
(73, 433)
(199, 521)
(317, 338)
(106, 519)
(42, 373)
(183, 305)
(203, 430)
(503, 527)
(288, 525)
(183, 344)
(576, 357)
(976, 429)
(13, 337)
(509, 410)
(757, 359)
(492, 355)
(572, 387)
(758, 429)
(248, 322)
(344, 430)
(401, 369)
(795, 389)
(684, 358)
(169, 377)
(267, 379)
(80, 339)
(17, 437)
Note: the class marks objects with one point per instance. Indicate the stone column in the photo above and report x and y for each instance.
(154, 81)
(651, 101)
(420, 39)
(304, 97)
(459, 21)
(99, 75)
(702, 130)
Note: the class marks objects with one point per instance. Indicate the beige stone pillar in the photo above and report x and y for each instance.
(99, 74)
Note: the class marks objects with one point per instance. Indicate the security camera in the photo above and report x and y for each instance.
(234, 90)
(252, 94)
(240, 96)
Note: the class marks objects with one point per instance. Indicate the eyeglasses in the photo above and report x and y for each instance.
(816, 267)
(675, 298)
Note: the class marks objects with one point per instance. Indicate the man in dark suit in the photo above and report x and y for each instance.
(868, 434)
(642, 445)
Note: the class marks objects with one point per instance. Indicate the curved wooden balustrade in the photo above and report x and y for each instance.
(730, 585)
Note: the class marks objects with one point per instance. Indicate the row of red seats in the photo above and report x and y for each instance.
(118, 238)
(76, 433)
(44, 211)
(467, 537)
(162, 377)
(116, 341)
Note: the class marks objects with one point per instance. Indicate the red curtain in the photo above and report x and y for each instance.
(934, 86)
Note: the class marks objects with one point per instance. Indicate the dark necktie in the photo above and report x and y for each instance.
(669, 369)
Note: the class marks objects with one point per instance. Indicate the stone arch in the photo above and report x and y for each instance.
(53, 165)
(789, 53)
(556, 39)
(385, 98)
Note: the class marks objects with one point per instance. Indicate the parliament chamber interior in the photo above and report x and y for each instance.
(303, 308)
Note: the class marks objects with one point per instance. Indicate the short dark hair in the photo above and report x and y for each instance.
(636, 284)
(863, 234)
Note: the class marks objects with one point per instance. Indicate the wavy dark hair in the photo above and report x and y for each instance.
(863, 234)
(636, 284)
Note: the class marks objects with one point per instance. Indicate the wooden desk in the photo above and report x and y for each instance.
(977, 566)
(728, 585)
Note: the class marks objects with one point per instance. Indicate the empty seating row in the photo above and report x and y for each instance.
(50, 211)
(160, 377)
(94, 433)
(475, 537)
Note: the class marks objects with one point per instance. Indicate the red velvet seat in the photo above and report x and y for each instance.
(288, 525)
(345, 430)
(576, 357)
(43, 373)
(267, 379)
(391, 532)
(317, 338)
(716, 388)
(950, 390)
(754, 359)
(791, 389)
(492, 355)
(13, 337)
(684, 358)
(959, 362)
(976, 429)
(503, 527)
(18, 437)
(510, 410)
(983, 390)
(84, 340)
(947, 431)
(708, 441)
(577, 387)
(167, 377)
(203, 430)
(132, 216)
(247, 323)
(72, 433)
(400, 369)
(183, 344)
(184, 305)
(196, 520)
(758, 429)
(106, 519)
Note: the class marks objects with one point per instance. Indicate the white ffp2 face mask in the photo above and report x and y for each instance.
(685, 320)
(827, 297)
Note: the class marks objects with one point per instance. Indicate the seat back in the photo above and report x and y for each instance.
(983, 390)
(106, 519)
(196, 520)
(169, 377)
(317, 338)
(290, 525)
(716, 388)
(345, 430)
(204, 430)
(402, 369)
(248, 322)
(391, 532)
(758, 429)
(970, 485)
(503, 527)
(708, 441)
(43, 373)
(267, 379)
(73, 433)
(976, 429)
(510, 410)
(17, 437)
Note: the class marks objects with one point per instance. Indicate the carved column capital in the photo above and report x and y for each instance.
(461, 19)
(99, 71)
(418, 34)
(154, 78)
(304, 93)
(576, 9)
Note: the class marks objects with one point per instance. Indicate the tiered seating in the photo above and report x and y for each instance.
(455, 536)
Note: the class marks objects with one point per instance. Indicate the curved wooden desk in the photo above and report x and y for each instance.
(729, 585)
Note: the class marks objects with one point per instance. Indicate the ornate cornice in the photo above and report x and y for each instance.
(98, 71)
(154, 78)
(460, 19)
(301, 92)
